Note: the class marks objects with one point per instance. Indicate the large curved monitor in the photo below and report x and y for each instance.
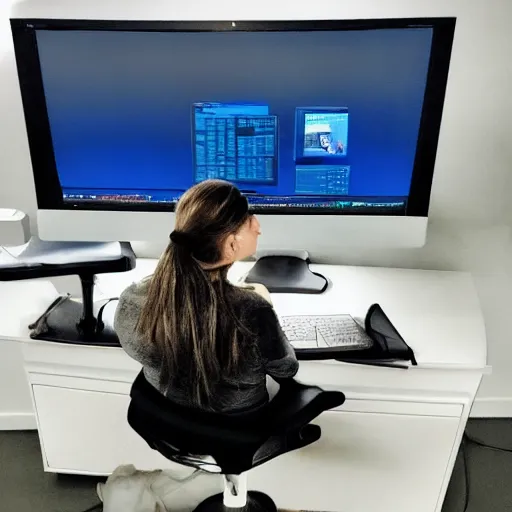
(329, 127)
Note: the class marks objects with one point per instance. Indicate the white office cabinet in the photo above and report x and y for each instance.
(368, 455)
(364, 462)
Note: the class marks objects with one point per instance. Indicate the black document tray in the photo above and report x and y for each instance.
(86, 331)
(389, 348)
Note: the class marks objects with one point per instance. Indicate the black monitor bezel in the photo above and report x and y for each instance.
(48, 189)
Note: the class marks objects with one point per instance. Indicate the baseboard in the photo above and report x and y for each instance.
(18, 421)
(492, 408)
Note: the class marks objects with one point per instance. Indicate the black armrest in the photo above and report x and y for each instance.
(296, 405)
(125, 262)
(289, 417)
(86, 270)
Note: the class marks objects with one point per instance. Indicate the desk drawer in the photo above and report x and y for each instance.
(450, 410)
(87, 432)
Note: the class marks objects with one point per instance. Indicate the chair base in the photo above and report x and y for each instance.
(256, 502)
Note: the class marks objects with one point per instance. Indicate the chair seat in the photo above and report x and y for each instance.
(237, 442)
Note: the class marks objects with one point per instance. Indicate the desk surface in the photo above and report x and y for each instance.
(437, 313)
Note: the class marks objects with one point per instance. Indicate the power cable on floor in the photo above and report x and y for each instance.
(98, 507)
(472, 440)
(466, 439)
(466, 472)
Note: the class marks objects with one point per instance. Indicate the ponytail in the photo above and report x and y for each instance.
(188, 315)
(188, 318)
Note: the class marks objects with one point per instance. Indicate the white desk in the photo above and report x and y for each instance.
(390, 447)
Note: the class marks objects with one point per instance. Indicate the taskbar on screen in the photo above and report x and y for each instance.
(161, 201)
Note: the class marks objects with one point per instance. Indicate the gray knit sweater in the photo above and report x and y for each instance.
(268, 354)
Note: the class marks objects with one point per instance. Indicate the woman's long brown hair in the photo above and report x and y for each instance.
(187, 315)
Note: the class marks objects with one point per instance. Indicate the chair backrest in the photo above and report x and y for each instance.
(233, 441)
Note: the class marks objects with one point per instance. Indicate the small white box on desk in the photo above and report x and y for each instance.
(14, 227)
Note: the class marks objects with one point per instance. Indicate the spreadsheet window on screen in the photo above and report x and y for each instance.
(302, 119)
(235, 142)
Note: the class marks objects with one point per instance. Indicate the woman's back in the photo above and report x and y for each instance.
(264, 351)
(203, 342)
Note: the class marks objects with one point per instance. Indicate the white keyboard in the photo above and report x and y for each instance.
(341, 332)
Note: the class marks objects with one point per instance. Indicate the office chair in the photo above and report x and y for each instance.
(230, 444)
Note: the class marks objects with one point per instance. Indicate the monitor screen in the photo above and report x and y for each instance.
(301, 120)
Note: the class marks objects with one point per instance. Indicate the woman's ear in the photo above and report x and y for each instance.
(230, 248)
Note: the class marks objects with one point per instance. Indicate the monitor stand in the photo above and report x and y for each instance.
(286, 272)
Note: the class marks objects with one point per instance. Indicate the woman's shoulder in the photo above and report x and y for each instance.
(128, 311)
(131, 302)
(252, 296)
(136, 292)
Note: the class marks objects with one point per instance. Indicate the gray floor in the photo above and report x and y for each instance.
(489, 471)
(24, 487)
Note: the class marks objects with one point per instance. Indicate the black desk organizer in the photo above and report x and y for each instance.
(388, 349)
(84, 330)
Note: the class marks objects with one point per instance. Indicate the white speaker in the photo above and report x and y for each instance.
(14, 227)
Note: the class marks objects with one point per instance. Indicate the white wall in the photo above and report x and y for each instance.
(470, 211)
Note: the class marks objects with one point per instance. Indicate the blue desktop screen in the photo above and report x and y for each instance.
(328, 115)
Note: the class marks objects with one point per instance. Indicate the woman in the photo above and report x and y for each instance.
(203, 342)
